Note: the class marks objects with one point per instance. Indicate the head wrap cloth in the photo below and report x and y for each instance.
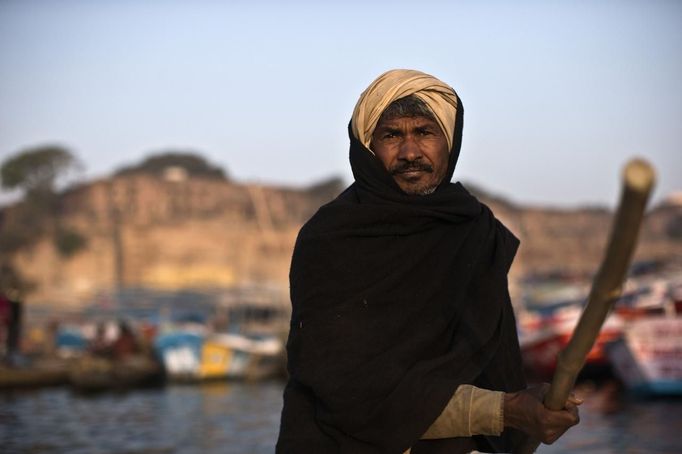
(399, 83)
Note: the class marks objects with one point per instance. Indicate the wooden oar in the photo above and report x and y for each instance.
(638, 181)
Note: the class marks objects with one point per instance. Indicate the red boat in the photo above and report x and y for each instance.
(544, 336)
(545, 331)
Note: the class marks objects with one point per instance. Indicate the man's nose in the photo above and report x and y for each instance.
(409, 149)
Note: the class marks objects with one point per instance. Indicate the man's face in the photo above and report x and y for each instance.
(414, 150)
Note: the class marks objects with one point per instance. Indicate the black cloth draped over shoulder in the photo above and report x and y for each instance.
(396, 301)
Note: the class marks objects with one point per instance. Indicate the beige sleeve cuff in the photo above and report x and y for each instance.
(470, 411)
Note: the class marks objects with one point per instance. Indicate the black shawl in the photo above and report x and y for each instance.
(396, 300)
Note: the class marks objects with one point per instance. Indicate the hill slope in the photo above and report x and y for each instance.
(148, 232)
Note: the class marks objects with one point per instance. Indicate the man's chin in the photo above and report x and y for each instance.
(418, 190)
(415, 185)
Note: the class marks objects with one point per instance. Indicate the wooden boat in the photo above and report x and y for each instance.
(93, 374)
(36, 375)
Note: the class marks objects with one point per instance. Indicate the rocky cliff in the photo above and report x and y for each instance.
(151, 232)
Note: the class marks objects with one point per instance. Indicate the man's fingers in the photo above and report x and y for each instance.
(525, 410)
(572, 414)
(555, 423)
(575, 400)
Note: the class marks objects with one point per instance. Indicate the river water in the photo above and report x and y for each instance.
(244, 419)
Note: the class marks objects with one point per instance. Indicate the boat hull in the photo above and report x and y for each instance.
(648, 358)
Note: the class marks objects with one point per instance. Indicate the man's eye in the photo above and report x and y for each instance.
(389, 135)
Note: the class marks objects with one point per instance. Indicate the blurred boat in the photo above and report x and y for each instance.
(648, 356)
(193, 357)
(544, 334)
(236, 356)
(70, 341)
(52, 372)
(547, 323)
(94, 374)
(180, 354)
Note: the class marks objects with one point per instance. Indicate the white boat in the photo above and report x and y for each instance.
(648, 358)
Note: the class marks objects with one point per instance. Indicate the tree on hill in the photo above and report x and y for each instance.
(37, 171)
(158, 164)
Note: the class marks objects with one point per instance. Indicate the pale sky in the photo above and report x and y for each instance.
(557, 95)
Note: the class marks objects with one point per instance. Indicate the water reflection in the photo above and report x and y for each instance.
(613, 422)
(219, 418)
(243, 418)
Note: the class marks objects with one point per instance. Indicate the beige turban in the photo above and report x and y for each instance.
(399, 83)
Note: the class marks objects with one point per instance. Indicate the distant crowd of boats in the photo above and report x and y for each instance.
(108, 348)
(193, 341)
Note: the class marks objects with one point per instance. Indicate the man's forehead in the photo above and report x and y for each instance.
(408, 120)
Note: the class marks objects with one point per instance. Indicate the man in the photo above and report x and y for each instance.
(402, 333)
(10, 314)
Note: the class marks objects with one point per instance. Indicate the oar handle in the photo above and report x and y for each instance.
(638, 181)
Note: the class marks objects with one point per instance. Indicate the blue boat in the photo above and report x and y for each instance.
(180, 354)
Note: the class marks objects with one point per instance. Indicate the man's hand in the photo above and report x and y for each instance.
(524, 410)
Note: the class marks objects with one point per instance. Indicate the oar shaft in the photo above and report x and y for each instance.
(638, 181)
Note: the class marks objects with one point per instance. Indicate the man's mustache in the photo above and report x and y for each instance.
(403, 167)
